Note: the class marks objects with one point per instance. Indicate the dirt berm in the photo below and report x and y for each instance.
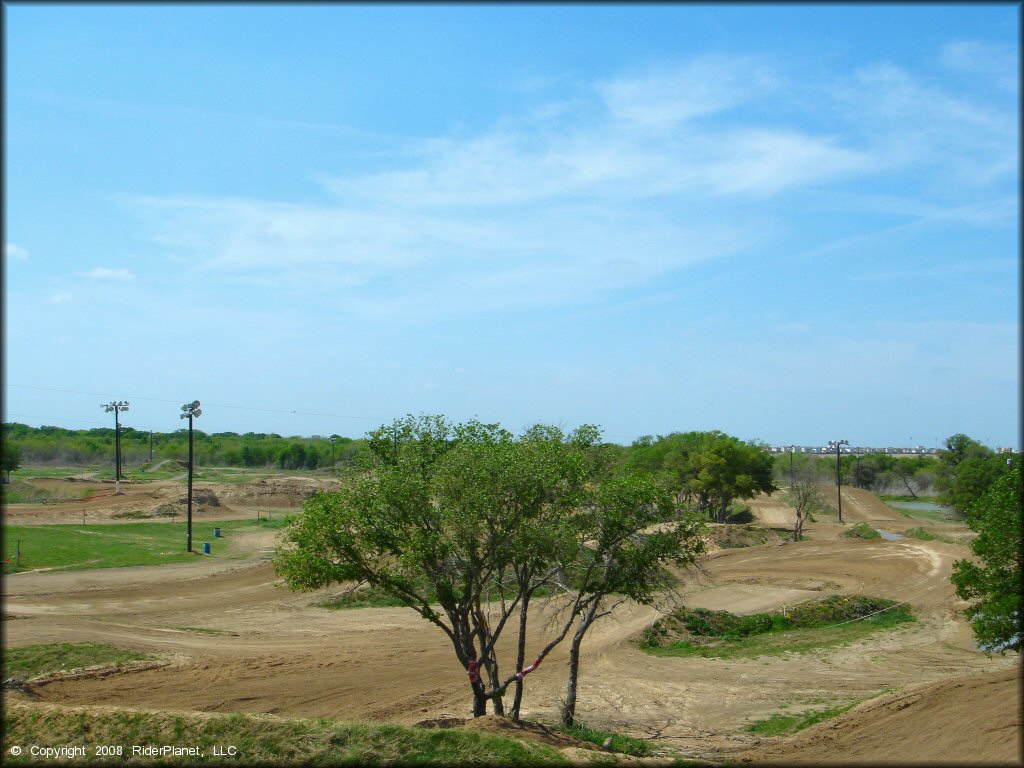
(964, 721)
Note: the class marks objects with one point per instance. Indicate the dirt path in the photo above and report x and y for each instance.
(967, 720)
(243, 643)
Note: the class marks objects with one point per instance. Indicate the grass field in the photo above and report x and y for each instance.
(260, 739)
(82, 547)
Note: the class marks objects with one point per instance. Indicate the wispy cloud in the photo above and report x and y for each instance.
(59, 297)
(104, 273)
(995, 63)
(631, 180)
(12, 251)
(908, 123)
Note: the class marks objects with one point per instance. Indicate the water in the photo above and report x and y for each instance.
(920, 506)
(889, 536)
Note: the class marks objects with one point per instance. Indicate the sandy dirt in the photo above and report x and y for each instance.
(238, 641)
(152, 501)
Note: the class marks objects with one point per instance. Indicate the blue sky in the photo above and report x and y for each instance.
(791, 223)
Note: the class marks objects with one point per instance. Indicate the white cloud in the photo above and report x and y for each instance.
(636, 179)
(59, 297)
(12, 251)
(996, 63)
(909, 123)
(103, 273)
(670, 96)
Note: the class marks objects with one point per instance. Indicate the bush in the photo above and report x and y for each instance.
(862, 531)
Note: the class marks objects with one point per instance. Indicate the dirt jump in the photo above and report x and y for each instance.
(232, 639)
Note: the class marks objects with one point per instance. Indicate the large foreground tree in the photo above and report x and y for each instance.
(466, 525)
(994, 580)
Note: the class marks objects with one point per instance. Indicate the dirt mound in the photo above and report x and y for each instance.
(286, 492)
(969, 720)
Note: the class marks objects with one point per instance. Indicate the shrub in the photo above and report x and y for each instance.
(862, 531)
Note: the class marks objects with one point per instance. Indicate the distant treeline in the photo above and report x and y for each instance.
(690, 462)
(57, 446)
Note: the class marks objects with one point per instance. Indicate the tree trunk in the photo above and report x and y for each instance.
(479, 700)
(569, 707)
(904, 479)
(520, 657)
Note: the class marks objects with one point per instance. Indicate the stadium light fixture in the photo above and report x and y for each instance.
(839, 475)
(117, 407)
(190, 411)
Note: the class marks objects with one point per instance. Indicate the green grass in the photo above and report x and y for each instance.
(28, 661)
(626, 745)
(52, 472)
(780, 724)
(22, 492)
(84, 547)
(262, 739)
(923, 535)
(861, 531)
(836, 620)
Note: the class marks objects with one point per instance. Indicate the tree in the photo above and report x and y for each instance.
(805, 492)
(11, 458)
(995, 582)
(464, 517)
(968, 469)
(708, 470)
(626, 556)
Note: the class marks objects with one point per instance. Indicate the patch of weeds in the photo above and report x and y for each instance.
(29, 661)
(364, 597)
(861, 531)
(626, 745)
(923, 535)
(733, 536)
(809, 626)
(779, 724)
(135, 514)
(203, 630)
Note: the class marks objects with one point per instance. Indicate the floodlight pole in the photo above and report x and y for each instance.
(116, 406)
(839, 475)
(332, 440)
(190, 410)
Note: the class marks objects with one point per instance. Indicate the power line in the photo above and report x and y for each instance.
(216, 405)
(377, 419)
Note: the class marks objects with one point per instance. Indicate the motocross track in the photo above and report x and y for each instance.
(265, 649)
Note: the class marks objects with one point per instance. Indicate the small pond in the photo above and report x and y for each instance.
(920, 506)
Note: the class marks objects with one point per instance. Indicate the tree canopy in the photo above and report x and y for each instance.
(707, 469)
(994, 581)
(477, 522)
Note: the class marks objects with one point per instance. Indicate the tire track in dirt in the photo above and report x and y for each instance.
(269, 650)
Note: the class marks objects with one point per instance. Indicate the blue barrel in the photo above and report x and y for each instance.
(216, 533)
(206, 547)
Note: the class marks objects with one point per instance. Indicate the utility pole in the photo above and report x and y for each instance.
(190, 411)
(117, 406)
(839, 475)
(791, 448)
(151, 446)
(332, 440)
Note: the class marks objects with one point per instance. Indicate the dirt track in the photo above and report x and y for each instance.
(269, 650)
